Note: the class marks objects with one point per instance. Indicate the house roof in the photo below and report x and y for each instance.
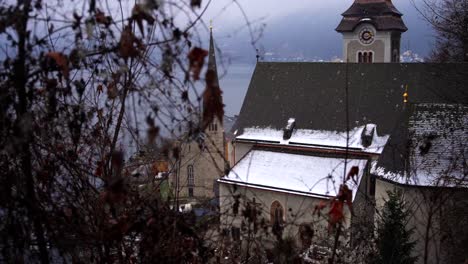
(293, 173)
(429, 147)
(314, 93)
(382, 14)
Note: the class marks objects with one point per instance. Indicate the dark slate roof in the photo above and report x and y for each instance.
(380, 23)
(429, 146)
(383, 15)
(314, 93)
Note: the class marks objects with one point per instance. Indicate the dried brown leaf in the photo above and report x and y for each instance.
(212, 100)
(140, 14)
(129, 45)
(61, 61)
(102, 19)
(196, 60)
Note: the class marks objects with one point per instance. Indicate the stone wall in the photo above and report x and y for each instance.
(207, 163)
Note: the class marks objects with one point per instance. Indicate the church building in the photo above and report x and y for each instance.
(303, 126)
(202, 159)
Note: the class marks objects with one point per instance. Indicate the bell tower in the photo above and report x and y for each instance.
(371, 32)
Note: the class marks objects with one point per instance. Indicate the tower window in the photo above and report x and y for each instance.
(190, 176)
(365, 56)
(213, 127)
(190, 180)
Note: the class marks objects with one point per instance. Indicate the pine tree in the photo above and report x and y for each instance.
(393, 241)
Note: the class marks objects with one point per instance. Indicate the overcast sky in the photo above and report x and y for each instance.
(291, 29)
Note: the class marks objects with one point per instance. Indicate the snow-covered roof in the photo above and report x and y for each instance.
(293, 173)
(318, 138)
(428, 148)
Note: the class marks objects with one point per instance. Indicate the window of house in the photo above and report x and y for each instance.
(276, 214)
(190, 191)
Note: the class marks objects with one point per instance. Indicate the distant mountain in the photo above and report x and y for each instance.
(309, 35)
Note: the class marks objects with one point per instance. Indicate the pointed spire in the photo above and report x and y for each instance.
(212, 56)
(212, 96)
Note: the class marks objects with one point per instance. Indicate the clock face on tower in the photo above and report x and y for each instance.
(366, 36)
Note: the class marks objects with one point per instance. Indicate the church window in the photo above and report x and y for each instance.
(370, 58)
(190, 176)
(190, 180)
(213, 127)
(359, 56)
(276, 214)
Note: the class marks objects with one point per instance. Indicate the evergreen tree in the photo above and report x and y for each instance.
(393, 241)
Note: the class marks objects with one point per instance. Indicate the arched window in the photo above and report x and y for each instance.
(190, 177)
(365, 57)
(190, 180)
(276, 214)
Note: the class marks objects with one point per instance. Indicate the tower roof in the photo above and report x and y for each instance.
(212, 58)
(380, 13)
(212, 96)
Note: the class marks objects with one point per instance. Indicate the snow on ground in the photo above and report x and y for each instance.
(316, 138)
(286, 172)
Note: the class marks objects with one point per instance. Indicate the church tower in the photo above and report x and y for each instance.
(202, 160)
(371, 32)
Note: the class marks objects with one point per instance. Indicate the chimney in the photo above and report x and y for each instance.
(288, 130)
(367, 135)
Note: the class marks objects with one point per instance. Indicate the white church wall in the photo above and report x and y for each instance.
(298, 210)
